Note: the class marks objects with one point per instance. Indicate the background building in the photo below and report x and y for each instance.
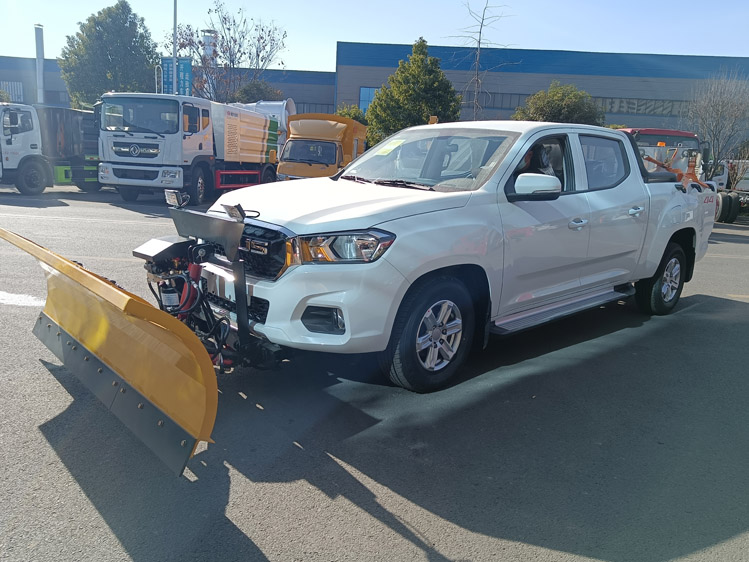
(18, 78)
(637, 90)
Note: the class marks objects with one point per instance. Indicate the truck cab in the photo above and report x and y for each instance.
(21, 159)
(152, 141)
(319, 145)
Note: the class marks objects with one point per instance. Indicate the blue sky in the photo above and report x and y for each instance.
(685, 28)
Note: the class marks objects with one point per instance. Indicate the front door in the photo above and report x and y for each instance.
(17, 137)
(546, 242)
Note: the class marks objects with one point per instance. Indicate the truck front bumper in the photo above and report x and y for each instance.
(162, 177)
(335, 308)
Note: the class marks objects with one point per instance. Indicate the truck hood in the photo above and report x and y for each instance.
(309, 206)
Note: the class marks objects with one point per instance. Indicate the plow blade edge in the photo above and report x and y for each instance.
(146, 366)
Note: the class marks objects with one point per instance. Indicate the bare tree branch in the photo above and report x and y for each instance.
(719, 113)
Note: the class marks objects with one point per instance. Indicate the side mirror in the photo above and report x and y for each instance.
(535, 187)
(13, 119)
(705, 148)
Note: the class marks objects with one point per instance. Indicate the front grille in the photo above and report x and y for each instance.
(128, 174)
(136, 149)
(263, 251)
(257, 311)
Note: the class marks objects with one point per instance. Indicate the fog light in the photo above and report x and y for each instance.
(324, 320)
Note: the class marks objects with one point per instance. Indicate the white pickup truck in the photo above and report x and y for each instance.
(416, 251)
(429, 242)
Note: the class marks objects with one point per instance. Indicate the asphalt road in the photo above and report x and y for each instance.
(606, 436)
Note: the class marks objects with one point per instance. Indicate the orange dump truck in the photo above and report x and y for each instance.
(319, 144)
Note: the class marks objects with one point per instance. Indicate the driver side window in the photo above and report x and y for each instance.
(549, 156)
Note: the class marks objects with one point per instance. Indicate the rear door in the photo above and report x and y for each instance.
(619, 205)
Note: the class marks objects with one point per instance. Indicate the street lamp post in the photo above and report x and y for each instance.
(175, 89)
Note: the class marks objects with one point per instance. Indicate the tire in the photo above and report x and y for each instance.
(718, 205)
(414, 358)
(129, 194)
(725, 207)
(735, 207)
(659, 294)
(32, 178)
(196, 189)
(89, 186)
(268, 175)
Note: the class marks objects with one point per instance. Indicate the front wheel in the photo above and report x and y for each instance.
(196, 189)
(89, 186)
(659, 294)
(128, 194)
(31, 178)
(432, 336)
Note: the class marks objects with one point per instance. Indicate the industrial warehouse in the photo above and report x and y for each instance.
(636, 90)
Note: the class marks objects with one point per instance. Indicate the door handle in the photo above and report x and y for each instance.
(635, 211)
(577, 224)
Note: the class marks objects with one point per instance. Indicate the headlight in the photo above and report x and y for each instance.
(342, 247)
(173, 174)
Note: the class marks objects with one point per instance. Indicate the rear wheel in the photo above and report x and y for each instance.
(725, 206)
(268, 175)
(196, 189)
(128, 194)
(735, 207)
(718, 206)
(31, 178)
(659, 294)
(431, 337)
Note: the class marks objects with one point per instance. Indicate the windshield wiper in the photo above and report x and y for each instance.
(356, 178)
(405, 183)
(310, 162)
(147, 130)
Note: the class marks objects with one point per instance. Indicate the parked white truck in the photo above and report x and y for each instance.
(41, 146)
(416, 252)
(152, 142)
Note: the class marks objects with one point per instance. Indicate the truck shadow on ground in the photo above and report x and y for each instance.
(609, 435)
(149, 205)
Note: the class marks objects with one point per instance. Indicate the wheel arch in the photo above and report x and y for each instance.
(686, 238)
(476, 281)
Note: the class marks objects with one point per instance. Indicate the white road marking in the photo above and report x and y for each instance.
(20, 300)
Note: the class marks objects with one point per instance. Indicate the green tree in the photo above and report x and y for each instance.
(352, 112)
(255, 91)
(561, 103)
(4, 96)
(417, 90)
(112, 50)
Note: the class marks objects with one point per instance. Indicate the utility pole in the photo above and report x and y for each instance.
(175, 88)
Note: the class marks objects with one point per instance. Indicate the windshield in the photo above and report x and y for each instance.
(667, 140)
(309, 151)
(140, 115)
(454, 159)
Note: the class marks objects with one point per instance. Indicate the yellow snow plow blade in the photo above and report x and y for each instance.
(146, 366)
